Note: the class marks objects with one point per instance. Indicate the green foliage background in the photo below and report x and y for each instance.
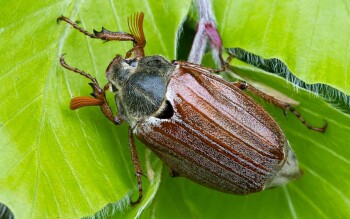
(60, 163)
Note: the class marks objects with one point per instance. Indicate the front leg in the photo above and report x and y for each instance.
(98, 99)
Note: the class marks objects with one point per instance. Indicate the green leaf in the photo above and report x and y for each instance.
(60, 163)
(311, 37)
(56, 162)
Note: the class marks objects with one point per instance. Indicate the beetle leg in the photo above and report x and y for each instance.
(137, 166)
(98, 99)
(135, 26)
(103, 34)
(191, 66)
(173, 173)
(285, 106)
(197, 69)
(224, 64)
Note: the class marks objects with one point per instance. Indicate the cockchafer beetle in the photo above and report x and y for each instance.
(201, 126)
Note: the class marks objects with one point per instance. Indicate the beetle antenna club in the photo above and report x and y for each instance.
(135, 24)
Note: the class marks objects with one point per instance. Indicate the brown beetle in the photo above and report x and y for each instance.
(201, 126)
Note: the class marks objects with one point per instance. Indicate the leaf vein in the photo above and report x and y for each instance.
(308, 200)
(22, 109)
(156, 30)
(29, 16)
(328, 184)
(269, 22)
(19, 64)
(290, 203)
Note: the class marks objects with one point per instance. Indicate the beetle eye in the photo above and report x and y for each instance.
(167, 111)
(131, 62)
(114, 88)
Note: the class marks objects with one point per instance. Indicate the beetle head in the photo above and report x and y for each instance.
(139, 85)
(120, 69)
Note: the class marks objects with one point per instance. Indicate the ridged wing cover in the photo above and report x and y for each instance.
(218, 136)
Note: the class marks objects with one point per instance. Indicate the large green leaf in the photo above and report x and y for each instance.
(58, 163)
(311, 37)
(55, 162)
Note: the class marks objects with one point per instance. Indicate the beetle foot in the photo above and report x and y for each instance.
(308, 125)
(133, 203)
(173, 173)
